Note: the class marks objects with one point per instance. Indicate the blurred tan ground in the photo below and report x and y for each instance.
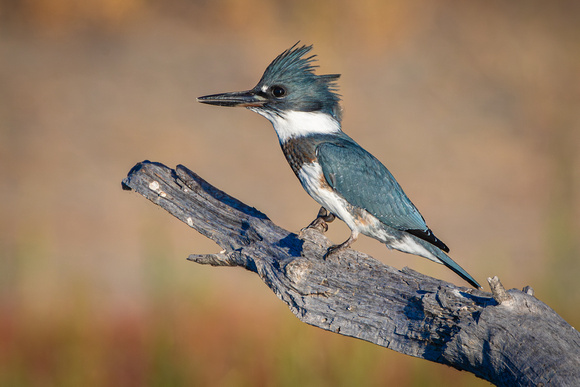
(473, 107)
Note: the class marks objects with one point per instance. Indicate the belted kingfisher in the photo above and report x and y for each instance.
(346, 180)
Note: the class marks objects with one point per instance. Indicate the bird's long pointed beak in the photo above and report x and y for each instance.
(237, 98)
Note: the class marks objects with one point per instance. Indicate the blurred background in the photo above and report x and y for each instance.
(474, 107)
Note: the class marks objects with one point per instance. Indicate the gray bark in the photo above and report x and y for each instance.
(506, 337)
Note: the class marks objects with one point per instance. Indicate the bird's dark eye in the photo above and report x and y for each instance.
(278, 91)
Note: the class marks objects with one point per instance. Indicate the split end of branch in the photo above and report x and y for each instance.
(220, 259)
(498, 291)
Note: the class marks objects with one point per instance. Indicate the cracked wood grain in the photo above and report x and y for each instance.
(509, 338)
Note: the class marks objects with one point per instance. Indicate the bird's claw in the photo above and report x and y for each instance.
(344, 245)
(335, 249)
(318, 224)
(330, 251)
(321, 222)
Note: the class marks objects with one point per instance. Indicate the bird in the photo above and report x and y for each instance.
(346, 180)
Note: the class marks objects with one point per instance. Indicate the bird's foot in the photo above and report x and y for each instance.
(321, 222)
(344, 245)
(318, 224)
(333, 250)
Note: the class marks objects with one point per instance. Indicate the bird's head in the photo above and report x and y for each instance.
(288, 84)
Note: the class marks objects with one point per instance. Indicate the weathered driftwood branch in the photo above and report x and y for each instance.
(507, 337)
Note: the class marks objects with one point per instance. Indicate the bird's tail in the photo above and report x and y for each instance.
(427, 250)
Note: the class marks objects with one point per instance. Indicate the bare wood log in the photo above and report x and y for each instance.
(509, 338)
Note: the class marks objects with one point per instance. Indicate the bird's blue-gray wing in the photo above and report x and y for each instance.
(365, 182)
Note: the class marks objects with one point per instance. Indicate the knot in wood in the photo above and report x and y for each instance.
(297, 270)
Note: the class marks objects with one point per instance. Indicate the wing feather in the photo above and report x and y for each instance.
(366, 183)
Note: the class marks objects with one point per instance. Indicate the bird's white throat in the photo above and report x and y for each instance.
(292, 124)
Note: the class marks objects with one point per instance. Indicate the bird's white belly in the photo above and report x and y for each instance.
(314, 183)
(358, 219)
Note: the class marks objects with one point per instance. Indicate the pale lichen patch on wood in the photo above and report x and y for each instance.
(156, 187)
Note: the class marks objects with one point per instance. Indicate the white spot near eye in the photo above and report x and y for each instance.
(264, 89)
